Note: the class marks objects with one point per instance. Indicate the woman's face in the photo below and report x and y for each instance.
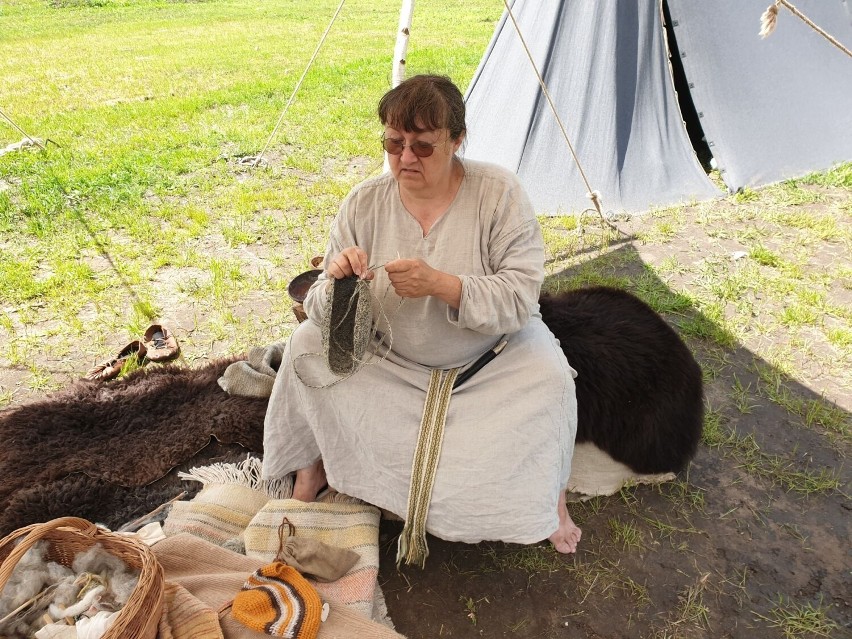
(422, 174)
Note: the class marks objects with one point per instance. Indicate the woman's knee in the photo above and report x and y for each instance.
(307, 338)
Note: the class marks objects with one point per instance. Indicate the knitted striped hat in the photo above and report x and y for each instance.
(277, 600)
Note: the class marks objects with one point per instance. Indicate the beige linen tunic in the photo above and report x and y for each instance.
(510, 429)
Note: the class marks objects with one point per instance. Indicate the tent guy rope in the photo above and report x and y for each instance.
(769, 20)
(592, 194)
(259, 157)
(32, 140)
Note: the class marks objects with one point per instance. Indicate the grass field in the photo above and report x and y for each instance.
(151, 105)
(142, 207)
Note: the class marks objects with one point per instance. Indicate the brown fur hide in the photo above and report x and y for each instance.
(87, 450)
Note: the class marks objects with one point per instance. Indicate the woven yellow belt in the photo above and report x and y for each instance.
(412, 542)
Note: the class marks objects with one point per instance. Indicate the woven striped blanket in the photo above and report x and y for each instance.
(236, 509)
(354, 526)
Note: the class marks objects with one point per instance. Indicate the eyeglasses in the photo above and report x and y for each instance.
(395, 146)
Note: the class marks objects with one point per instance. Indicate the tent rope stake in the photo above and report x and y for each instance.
(22, 132)
(259, 157)
(769, 20)
(592, 194)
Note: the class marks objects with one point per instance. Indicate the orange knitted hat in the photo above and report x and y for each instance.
(277, 600)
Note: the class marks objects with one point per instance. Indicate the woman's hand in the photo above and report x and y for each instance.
(350, 261)
(415, 278)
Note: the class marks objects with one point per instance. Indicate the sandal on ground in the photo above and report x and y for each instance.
(161, 344)
(111, 368)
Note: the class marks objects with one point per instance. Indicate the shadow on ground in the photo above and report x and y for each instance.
(752, 540)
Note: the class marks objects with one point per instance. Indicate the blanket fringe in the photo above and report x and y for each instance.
(246, 473)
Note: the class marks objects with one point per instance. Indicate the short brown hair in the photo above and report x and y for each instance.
(424, 103)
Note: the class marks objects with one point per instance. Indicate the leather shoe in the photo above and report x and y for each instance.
(160, 344)
(111, 368)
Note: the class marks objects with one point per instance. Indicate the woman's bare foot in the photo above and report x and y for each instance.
(567, 536)
(309, 481)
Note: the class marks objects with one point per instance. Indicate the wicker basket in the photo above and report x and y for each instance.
(66, 537)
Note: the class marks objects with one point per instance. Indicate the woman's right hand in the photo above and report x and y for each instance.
(350, 261)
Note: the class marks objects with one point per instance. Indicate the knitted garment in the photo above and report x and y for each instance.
(347, 324)
(276, 600)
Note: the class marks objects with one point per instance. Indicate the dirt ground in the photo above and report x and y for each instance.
(738, 547)
(725, 551)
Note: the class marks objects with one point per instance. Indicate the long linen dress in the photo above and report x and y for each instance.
(510, 429)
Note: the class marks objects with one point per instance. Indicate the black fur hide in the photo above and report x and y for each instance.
(639, 389)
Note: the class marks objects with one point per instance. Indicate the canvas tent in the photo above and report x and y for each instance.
(770, 109)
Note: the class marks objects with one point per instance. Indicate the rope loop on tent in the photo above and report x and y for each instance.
(257, 160)
(769, 20)
(593, 195)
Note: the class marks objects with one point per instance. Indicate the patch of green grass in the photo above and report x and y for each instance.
(584, 279)
(560, 234)
(40, 381)
(815, 412)
(147, 175)
(840, 337)
(6, 396)
(778, 470)
(625, 534)
(788, 474)
(713, 434)
(798, 314)
(602, 577)
(742, 398)
(661, 233)
(821, 227)
(685, 497)
(471, 607)
(531, 559)
(714, 362)
(708, 325)
(838, 176)
(746, 195)
(587, 509)
(799, 620)
(648, 287)
(670, 265)
(792, 193)
(764, 256)
(691, 609)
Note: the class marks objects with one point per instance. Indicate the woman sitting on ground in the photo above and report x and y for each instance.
(455, 260)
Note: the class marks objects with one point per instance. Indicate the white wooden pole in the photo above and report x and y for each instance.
(401, 49)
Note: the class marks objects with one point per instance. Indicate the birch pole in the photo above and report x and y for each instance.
(400, 50)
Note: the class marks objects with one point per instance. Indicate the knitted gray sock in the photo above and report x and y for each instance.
(347, 324)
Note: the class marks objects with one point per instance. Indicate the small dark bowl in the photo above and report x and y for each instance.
(298, 287)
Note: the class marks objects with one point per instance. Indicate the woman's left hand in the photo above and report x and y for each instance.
(415, 278)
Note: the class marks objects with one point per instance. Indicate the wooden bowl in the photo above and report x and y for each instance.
(298, 287)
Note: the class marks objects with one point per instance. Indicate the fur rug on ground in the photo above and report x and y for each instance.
(88, 450)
